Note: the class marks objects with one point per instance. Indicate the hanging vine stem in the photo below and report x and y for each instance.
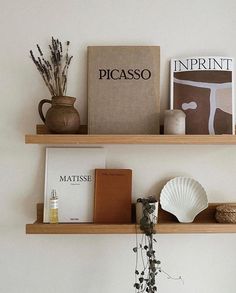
(172, 278)
(145, 279)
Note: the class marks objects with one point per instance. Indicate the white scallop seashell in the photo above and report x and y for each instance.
(183, 197)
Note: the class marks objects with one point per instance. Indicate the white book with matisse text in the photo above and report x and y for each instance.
(70, 171)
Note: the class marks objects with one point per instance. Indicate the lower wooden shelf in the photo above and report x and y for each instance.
(204, 223)
(162, 228)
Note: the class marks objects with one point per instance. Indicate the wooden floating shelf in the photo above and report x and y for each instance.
(168, 228)
(204, 223)
(44, 137)
(129, 139)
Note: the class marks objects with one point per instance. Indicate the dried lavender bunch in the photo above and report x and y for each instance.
(55, 70)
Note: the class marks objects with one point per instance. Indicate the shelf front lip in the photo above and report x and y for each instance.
(128, 139)
(81, 228)
(162, 228)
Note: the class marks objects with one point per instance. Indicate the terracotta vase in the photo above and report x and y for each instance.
(61, 117)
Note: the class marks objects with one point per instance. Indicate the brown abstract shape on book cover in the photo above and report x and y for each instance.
(206, 99)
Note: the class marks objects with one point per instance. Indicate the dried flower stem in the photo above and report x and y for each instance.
(55, 70)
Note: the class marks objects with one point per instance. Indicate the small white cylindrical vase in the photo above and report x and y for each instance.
(139, 212)
(174, 122)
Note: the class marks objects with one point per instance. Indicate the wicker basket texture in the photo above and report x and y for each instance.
(226, 213)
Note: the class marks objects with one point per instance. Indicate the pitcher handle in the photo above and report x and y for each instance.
(40, 108)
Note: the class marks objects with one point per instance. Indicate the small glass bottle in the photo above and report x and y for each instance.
(53, 217)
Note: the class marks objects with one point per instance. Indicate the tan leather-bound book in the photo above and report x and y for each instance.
(112, 202)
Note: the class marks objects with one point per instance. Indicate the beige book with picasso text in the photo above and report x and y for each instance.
(123, 89)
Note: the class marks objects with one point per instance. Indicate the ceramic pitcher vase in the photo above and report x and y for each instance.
(61, 117)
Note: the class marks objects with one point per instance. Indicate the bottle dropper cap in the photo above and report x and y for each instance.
(54, 194)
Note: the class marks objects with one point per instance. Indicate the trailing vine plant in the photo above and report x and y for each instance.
(145, 278)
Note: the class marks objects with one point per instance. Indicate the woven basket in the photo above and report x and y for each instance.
(226, 213)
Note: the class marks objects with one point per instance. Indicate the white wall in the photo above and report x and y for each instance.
(105, 263)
